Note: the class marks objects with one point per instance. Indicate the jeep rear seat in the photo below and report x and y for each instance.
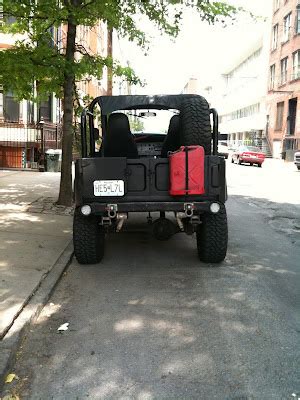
(119, 141)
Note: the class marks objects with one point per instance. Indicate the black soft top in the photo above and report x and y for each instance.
(108, 104)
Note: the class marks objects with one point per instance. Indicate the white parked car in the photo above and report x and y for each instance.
(223, 149)
(297, 159)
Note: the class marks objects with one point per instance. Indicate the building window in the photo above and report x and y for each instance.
(242, 113)
(30, 112)
(274, 36)
(1, 104)
(298, 19)
(286, 27)
(276, 5)
(296, 65)
(272, 77)
(292, 116)
(45, 110)
(283, 70)
(55, 33)
(4, 17)
(11, 108)
(279, 115)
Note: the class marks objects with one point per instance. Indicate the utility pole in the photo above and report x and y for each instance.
(128, 83)
(109, 54)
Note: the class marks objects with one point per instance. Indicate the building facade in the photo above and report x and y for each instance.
(242, 104)
(191, 87)
(28, 129)
(94, 41)
(20, 132)
(283, 99)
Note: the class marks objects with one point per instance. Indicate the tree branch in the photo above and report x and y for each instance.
(89, 3)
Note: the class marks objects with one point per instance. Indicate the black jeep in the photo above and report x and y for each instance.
(127, 169)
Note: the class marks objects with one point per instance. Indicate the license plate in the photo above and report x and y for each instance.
(109, 188)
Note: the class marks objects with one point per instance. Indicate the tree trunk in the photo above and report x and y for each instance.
(65, 190)
(109, 54)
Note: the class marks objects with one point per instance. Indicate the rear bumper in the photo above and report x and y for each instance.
(254, 160)
(197, 207)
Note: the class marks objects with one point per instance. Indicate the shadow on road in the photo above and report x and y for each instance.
(152, 322)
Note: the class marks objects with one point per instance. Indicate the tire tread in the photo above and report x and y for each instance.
(212, 237)
(195, 128)
(88, 239)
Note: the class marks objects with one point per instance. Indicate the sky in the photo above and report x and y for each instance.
(201, 50)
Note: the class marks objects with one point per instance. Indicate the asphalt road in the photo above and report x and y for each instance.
(152, 322)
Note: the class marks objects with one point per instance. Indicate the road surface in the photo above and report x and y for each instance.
(151, 322)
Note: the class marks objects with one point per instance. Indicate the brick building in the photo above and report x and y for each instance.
(21, 131)
(283, 99)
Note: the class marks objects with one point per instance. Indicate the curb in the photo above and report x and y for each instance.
(31, 311)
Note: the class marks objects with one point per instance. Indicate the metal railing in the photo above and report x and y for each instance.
(24, 146)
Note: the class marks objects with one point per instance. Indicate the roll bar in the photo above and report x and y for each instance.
(88, 113)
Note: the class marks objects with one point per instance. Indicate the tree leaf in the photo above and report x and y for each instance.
(11, 377)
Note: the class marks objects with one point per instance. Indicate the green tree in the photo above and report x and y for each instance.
(136, 124)
(56, 69)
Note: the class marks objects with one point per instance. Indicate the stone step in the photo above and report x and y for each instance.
(263, 144)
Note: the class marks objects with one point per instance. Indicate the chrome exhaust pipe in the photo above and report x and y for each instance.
(179, 216)
(121, 217)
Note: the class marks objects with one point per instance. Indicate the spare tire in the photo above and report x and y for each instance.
(195, 128)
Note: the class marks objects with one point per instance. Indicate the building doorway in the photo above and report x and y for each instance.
(292, 116)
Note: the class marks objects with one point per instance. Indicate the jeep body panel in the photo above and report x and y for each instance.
(145, 180)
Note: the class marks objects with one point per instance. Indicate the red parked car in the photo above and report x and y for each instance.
(248, 154)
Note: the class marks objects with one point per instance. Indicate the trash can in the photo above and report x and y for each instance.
(53, 160)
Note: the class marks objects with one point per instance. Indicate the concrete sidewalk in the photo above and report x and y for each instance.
(33, 235)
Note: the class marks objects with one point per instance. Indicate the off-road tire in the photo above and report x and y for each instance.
(212, 237)
(195, 126)
(88, 238)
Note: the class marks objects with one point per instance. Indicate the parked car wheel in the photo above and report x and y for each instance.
(298, 167)
(232, 160)
(212, 237)
(195, 126)
(259, 165)
(88, 238)
(240, 162)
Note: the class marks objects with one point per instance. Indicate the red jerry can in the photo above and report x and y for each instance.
(187, 171)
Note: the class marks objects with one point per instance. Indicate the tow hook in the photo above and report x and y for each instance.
(112, 210)
(188, 209)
